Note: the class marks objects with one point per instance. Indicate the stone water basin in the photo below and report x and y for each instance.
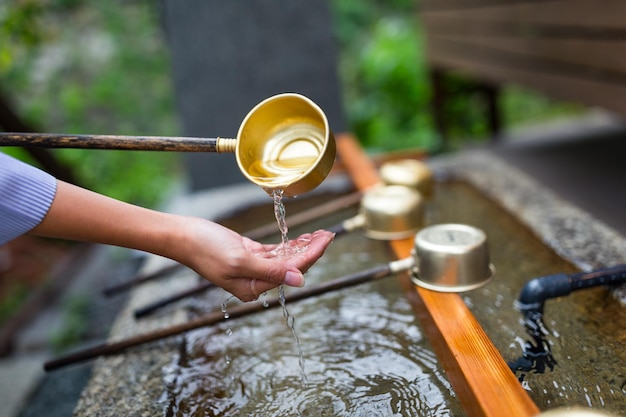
(363, 351)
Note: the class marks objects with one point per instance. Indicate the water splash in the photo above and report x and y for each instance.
(536, 353)
(366, 357)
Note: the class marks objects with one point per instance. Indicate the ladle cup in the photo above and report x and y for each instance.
(386, 213)
(411, 173)
(451, 258)
(448, 258)
(284, 142)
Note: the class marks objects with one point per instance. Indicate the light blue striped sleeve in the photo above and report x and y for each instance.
(26, 194)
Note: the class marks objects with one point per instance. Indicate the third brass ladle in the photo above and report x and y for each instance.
(387, 212)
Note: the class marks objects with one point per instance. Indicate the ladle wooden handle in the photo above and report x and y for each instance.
(149, 308)
(348, 225)
(118, 142)
(141, 278)
(240, 310)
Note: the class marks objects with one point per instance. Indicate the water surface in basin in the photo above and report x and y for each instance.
(365, 353)
(586, 331)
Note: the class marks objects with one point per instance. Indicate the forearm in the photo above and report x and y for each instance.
(218, 254)
(79, 214)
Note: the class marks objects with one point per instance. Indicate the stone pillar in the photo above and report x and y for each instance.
(227, 56)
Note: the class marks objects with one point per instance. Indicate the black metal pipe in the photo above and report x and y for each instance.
(538, 290)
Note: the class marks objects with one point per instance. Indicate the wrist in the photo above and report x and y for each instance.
(171, 239)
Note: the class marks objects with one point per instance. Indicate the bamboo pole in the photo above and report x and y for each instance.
(114, 142)
(240, 310)
(479, 375)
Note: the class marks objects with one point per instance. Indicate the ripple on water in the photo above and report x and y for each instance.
(362, 359)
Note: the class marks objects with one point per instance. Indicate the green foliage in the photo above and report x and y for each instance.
(385, 83)
(19, 27)
(12, 301)
(390, 109)
(520, 106)
(102, 69)
(75, 319)
(387, 88)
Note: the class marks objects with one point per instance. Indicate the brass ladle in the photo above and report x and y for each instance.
(284, 142)
(410, 173)
(387, 212)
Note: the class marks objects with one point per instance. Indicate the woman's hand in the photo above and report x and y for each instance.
(243, 267)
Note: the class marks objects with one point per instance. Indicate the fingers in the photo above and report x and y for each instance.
(289, 271)
(253, 275)
(320, 240)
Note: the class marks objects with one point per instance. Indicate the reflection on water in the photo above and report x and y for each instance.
(362, 360)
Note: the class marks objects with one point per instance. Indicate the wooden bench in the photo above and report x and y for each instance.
(571, 50)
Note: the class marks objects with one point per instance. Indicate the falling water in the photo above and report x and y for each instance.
(285, 250)
(536, 353)
(229, 330)
(279, 213)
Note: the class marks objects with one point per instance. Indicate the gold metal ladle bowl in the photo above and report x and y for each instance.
(285, 143)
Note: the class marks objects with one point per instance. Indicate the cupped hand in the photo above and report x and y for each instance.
(244, 267)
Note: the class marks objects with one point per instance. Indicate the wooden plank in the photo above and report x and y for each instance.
(498, 68)
(479, 375)
(459, 24)
(434, 5)
(572, 13)
(354, 159)
(580, 55)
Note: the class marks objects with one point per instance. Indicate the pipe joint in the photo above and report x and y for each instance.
(538, 290)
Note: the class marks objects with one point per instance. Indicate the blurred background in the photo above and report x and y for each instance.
(92, 67)
(136, 67)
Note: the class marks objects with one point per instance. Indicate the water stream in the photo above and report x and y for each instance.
(285, 250)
